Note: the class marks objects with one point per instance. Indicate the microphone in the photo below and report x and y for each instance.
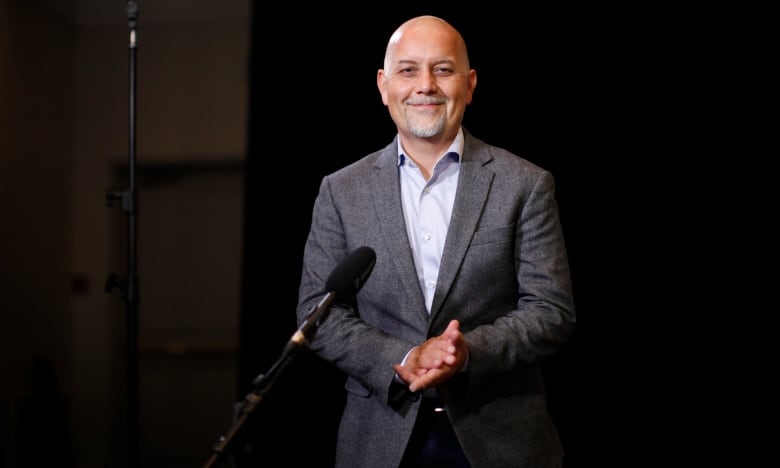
(343, 283)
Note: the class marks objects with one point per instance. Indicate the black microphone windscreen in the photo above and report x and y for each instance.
(351, 272)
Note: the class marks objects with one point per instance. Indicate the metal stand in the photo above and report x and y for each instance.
(262, 384)
(129, 285)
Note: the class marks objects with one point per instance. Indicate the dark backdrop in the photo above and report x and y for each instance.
(595, 97)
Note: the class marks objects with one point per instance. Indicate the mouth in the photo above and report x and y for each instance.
(426, 102)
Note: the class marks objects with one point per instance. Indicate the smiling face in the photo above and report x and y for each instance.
(426, 82)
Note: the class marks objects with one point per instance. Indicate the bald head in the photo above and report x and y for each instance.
(426, 85)
(425, 26)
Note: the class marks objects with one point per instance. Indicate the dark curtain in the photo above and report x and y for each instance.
(594, 97)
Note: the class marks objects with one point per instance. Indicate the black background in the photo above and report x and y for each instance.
(601, 97)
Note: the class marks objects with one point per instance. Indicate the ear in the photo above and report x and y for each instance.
(381, 83)
(472, 83)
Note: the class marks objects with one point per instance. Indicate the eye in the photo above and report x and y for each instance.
(443, 71)
(407, 71)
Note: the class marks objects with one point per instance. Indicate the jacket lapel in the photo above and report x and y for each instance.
(387, 201)
(473, 188)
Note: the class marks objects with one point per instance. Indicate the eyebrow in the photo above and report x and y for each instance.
(415, 62)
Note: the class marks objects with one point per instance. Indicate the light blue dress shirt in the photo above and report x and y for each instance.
(427, 208)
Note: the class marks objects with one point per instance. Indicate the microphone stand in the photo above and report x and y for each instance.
(264, 382)
(129, 285)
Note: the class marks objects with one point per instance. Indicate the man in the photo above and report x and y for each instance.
(471, 286)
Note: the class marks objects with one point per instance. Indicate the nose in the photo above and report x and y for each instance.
(427, 82)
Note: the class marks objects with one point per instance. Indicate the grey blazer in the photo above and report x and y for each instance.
(504, 274)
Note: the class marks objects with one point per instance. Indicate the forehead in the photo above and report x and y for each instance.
(421, 44)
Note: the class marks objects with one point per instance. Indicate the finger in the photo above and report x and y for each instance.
(454, 325)
(455, 337)
(405, 374)
(430, 379)
(420, 384)
(431, 359)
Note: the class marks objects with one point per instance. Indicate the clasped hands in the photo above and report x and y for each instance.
(436, 360)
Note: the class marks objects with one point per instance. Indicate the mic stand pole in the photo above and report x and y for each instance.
(129, 285)
(264, 382)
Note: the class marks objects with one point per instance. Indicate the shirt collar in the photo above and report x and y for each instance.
(455, 149)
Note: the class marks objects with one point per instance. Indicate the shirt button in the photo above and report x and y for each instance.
(427, 236)
(427, 189)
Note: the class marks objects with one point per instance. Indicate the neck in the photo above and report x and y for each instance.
(425, 151)
(425, 154)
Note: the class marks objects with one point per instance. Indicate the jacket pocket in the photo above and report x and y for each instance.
(491, 236)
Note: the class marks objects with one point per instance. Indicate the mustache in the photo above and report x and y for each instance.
(425, 100)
